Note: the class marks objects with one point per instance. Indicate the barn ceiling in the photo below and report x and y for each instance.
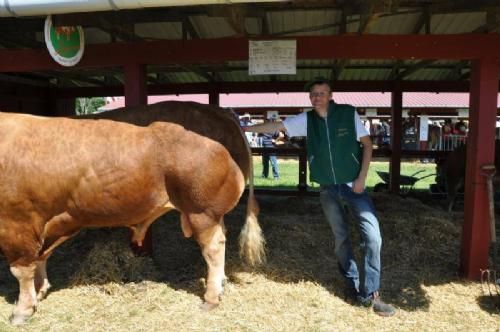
(260, 20)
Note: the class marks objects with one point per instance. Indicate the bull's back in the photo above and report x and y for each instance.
(208, 121)
(51, 165)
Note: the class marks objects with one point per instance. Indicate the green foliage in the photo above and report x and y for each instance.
(88, 105)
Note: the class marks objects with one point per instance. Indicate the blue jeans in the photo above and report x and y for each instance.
(266, 158)
(361, 206)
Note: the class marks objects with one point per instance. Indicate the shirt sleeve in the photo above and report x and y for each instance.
(297, 125)
(360, 128)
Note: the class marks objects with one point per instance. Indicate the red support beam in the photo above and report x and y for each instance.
(480, 151)
(461, 46)
(213, 98)
(396, 134)
(135, 85)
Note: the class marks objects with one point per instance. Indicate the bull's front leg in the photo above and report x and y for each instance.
(27, 302)
(213, 245)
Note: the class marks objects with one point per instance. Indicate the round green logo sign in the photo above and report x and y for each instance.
(65, 43)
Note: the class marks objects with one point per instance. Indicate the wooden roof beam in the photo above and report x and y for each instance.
(235, 17)
(337, 69)
(113, 80)
(395, 70)
(219, 51)
(424, 21)
(214, 77)
(420, 65)
(125, 32)
(492, 21)
(366, 23)
(456, 72)
(189, 29)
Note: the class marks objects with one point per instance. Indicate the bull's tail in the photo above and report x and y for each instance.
(252, 243)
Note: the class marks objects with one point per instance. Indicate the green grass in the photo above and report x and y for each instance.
(289, 174)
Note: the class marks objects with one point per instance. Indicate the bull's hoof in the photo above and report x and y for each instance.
(42, 294)
(19, 319)
(205, 306)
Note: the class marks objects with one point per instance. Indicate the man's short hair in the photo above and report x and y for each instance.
(317, 81)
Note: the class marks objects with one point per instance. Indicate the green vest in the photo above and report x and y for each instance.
(333, 150)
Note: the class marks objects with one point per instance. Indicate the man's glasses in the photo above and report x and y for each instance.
(318, 94)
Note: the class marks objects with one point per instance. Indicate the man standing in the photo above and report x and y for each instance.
(339, 152)
(267, 140)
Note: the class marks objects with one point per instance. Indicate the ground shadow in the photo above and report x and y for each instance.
(8, 284)
(489, 303)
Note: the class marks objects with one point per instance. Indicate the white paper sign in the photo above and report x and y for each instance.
(424, 128)
(271, 57)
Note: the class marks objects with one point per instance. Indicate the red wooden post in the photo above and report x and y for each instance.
(136, 94)
(396, 134)
(480, 151)
(213, 98)
(135, 85)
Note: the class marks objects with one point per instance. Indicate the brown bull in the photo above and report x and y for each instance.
(453, 171)
(59, 175)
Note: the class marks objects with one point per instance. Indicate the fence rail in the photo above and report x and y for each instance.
(449, 142)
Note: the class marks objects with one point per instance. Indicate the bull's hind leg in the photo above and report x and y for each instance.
(42, 284)
(27, 302)
(210, 236)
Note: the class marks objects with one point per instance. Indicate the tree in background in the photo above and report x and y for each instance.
(88, 105)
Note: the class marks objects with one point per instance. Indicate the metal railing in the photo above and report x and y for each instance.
(449, 142)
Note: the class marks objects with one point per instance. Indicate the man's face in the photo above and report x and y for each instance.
(320, 96)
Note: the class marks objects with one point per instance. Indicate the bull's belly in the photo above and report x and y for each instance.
(118, 220)
(121, 213)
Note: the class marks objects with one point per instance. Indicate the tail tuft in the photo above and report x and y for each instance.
(252, 243)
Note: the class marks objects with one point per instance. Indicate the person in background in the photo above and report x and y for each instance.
(447, 130)
(339, 152)
(245, 121)
(267, 141)
(386, 139)
(461, 128)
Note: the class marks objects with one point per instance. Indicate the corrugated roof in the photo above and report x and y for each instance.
(293, 18)
(325, 21)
